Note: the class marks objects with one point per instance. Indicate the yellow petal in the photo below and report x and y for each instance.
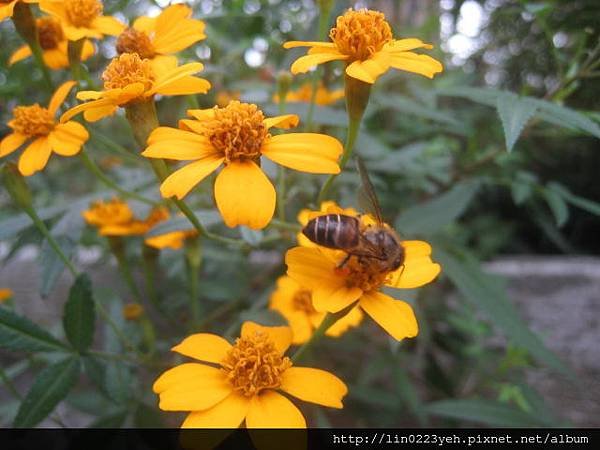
(307, 152)
(89, 95)
(54, 8)
(56, 58)
(394, 316)
(87, 50)
(59, 96)
(413, 62)
(20, 54)
(11, 142)
(281, 336)
(167, 134)
(171, 18)
(352, 319)
(191, 387)
(6, 10)
(305, 63)
(286, 121)
(201, 114)
(273, 410)
(418, 268)
(402, 45)
(314, 385)
(244, 195)
(204, 347)
(229, 413)
(108, 25)
(175, 30)
(35, 157)
(67, 138)
(180, 182)
(294, 44)
(99, 112)
(73, 33)
(184, 86)
(101, 104)
(169, 77)
(172, 143)
(370, 69)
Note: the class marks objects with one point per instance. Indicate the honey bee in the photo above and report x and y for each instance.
(376, 246)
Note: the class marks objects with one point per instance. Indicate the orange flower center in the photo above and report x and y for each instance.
(134, 41)
(254, 364)
(363, 274)
(237, 130)
(82, 13)
(33, 120)
(50, 32)
(114, 212)
(127, 69)
(302, 301)
(361, 33)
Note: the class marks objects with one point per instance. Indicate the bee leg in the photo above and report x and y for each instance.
(344, 262)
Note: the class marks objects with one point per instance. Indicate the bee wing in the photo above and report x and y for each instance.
(367, 198)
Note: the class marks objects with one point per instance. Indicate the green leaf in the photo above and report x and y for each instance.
(52, 265)
(50, 387)
(411, 107)
(78, 314)
(514, 113)
(483, 291)
(438, 212)
(583, 203)
(557, 205)
(19, 333)
(118, 382)
(484, 411)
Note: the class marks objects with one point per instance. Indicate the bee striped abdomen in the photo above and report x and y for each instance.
(333, 231)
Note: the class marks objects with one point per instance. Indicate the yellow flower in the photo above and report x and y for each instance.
(244, 384)
(327, 207)
(237, 136)
(7, 7)
(172, 239)
(129, 79)
(364, 40)
(115, 218)
(323, 96)
(132, 311)
(155, 37)
(54, 45)
(37, 123)
(295, 304)
(5, 294)
(336, 283)
(82, 18)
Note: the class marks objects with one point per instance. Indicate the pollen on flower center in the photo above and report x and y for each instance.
(50, 32)
(254, 364)
(134, 41)
(33, 120)
(127, 69)
(237, 130)
(81, 13)
(302, 301)
(363, 274)
(361, 33)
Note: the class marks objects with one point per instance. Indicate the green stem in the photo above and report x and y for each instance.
(41, 226)
(326, 323)
(38, 55)
(193, 259)
(150, 256)
(9, 384)
(74, 49)
(93, 167)
(117, 248)
(353, 127)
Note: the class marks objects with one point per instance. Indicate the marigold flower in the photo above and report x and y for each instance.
(237, 136)
(132, 311)
(246, 383)
(82, 18)
(129, 79)
(295, 304)
(53, 43)
(115, 218)
(173, 239)
(323, 97)
(364, 40)
(337, 282)
(37, 123)
(7, 7)
(155, 37)
(5, 294)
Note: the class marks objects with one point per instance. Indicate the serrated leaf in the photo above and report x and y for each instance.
(438, 212)
(483, 291)
(78, 315)
(566, 117)
(50, 387)
(19, 333)
(484, 411)
(557, 205)
(52, 265)
(514, 114)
